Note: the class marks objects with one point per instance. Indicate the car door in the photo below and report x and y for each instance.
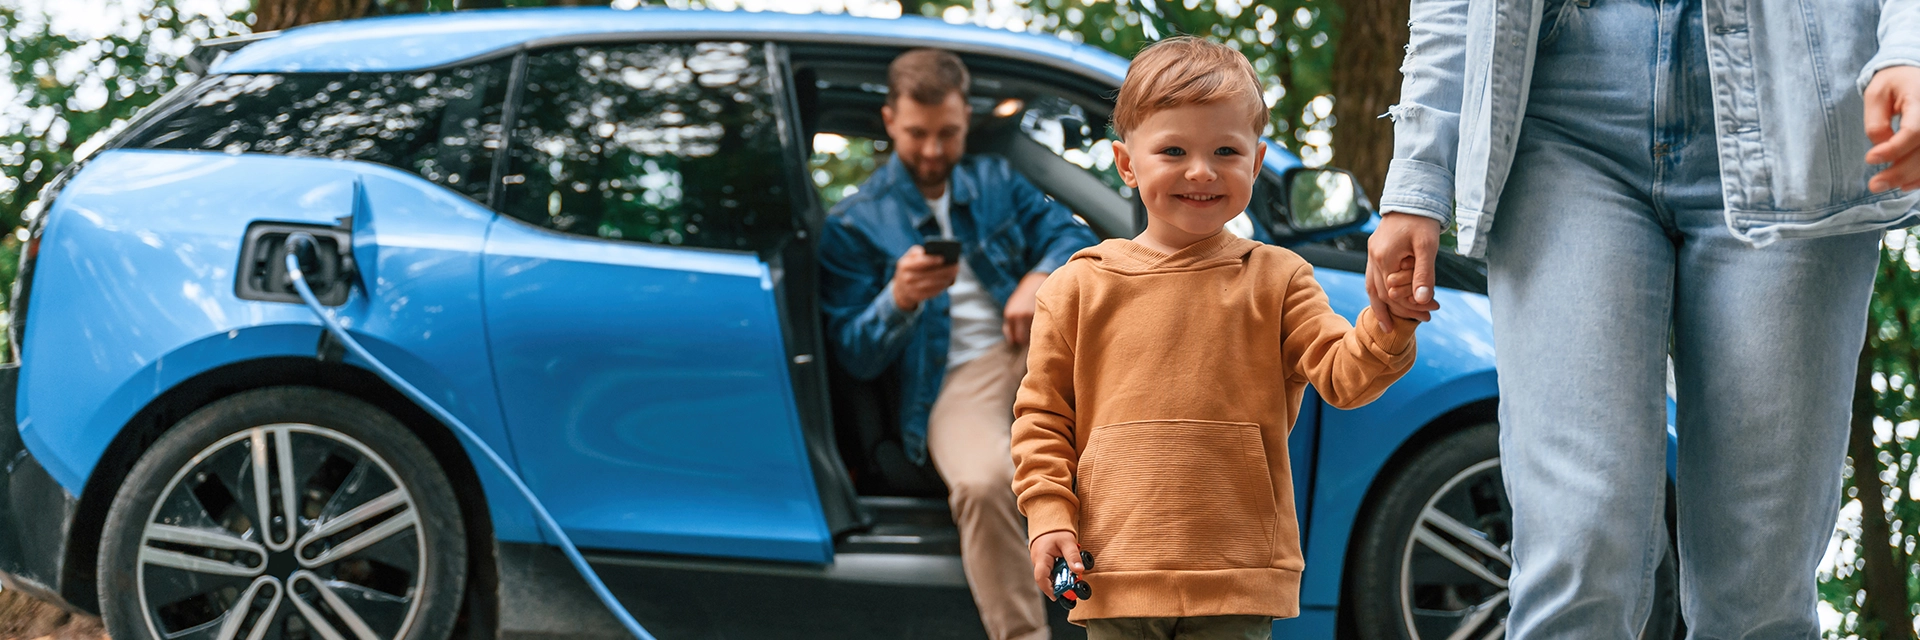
(632, 313)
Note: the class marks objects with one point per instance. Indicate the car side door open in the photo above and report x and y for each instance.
(632, 309)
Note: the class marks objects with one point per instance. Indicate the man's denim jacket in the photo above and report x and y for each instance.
(1787, 82)
(1006, 227)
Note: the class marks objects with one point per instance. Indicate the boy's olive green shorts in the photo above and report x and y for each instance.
(1196, 628)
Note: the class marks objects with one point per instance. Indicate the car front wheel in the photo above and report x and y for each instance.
(1432, 555)
(286, 513)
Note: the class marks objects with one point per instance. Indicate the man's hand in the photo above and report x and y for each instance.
(1402, 237)
(919, 276)
(1894, 91)
(1057, 544)
(1019, 312)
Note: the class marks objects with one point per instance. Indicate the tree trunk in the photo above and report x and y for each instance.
(1366, 80)
(274, 15)
(1886, 603)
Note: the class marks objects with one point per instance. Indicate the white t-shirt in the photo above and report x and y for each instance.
(976, 318)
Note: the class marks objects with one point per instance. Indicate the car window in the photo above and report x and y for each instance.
(442, 125)
(840, 163)
(1064, 128)
(665, 143)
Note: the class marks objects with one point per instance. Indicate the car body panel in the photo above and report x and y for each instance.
(110, 255)
(1454, 369)
(647, 391)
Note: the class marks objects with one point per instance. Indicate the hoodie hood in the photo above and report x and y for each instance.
(1127, 256)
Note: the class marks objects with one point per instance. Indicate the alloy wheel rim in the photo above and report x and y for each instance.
(1454, 566)
(289, 531)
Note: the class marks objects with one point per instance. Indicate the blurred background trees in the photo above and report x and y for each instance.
(76, 70)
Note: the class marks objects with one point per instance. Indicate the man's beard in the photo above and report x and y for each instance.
(924, 176)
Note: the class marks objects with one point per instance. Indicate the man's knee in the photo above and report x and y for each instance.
(980, 490)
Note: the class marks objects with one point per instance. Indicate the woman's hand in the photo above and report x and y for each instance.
(1057, 544)
(1894, 91)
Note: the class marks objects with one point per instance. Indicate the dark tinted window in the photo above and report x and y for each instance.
(665, 143)
(442, 125)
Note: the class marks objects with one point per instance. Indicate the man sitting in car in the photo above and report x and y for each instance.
(955, 333)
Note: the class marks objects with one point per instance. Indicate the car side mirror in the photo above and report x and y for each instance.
(1322, 199)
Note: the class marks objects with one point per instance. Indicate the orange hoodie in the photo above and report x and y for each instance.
(1154, 416)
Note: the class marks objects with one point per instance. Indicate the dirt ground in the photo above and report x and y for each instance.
(23, 618)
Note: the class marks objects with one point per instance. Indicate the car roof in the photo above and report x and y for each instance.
(425, 41)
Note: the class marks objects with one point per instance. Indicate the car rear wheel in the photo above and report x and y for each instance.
(286, 513)
(1432, 554)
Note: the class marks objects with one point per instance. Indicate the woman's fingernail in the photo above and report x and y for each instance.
(1423, 294)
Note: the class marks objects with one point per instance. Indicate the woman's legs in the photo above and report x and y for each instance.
(1611, 228)
(1581, 279)
(1581, 273)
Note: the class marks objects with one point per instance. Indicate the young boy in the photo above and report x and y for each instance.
(1166, 371)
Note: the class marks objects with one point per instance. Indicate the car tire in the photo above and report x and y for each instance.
(1435, 534)
(376, 549)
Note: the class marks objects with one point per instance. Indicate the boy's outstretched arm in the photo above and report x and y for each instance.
(1349, 364)
(1044, 456)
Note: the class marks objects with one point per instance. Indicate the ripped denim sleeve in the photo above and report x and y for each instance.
(1426, 122)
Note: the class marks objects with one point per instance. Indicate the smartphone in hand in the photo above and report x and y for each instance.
(948, 249)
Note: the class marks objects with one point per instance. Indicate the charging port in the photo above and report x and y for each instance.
(263, 264)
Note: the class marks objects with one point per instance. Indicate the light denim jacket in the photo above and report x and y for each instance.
(1787, 82)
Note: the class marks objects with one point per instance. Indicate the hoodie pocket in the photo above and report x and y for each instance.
(1190, 495)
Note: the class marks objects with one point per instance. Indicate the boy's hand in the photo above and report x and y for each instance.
(1400, 291)
(1058, 544)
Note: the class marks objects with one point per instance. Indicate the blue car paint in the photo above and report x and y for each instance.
(155, 236)
(1455, 368)
(647, 390)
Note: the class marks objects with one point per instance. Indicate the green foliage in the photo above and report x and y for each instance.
(1893, 343)
(838, 170)
(1290, 42)
(71, 90)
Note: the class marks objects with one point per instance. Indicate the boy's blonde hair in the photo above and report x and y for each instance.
(1185, 70)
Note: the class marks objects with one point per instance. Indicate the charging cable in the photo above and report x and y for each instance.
(301, 241)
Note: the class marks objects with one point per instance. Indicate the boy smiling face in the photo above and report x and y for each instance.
(1194, 166)
(1189, 117)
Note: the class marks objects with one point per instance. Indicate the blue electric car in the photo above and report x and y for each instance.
(591, 235)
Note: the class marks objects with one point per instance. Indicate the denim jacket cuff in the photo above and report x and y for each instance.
(890, 313)
(1419, 188)
(1889, 58)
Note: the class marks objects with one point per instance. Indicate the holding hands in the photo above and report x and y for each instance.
(1400, 257)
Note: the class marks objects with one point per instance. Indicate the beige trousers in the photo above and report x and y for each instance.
(969, 436)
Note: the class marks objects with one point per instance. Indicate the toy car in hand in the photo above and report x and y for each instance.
(1068, 588)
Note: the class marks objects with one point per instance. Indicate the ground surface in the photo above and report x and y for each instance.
(23, 618)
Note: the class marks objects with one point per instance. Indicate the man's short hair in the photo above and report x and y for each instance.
(927, 76)
(1182, 71)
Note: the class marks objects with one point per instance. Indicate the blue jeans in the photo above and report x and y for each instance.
(1611, 241)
